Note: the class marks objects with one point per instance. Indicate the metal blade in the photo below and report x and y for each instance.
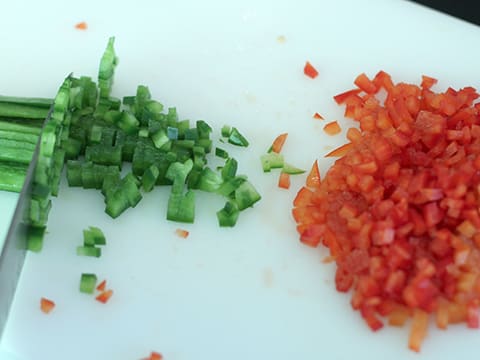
(14, 249)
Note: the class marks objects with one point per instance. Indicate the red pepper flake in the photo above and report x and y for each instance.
(364, 83)
(354, 135)
(418, 330)
(284, 181)
(343, 97)
(154, 356)
(428, 82)
(182, 233)
(340, 151)
(313, 178)
(102, 286)
(317, 116)
(304, 196)
(81, 26)
(278, 142)
(46, 305)
(104, 296)
(398, 210)
(332, 128)
(310, 71)
(383, 80)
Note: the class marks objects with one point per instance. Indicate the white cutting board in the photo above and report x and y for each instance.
(252, 292)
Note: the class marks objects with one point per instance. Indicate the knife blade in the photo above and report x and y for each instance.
(468, 10)
(13, 252)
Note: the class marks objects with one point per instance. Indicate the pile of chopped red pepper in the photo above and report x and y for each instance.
(399, 210)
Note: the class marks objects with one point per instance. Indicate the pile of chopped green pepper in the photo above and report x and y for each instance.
(95, 134)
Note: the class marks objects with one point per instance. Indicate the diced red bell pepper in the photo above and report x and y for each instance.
(313, 178)
(382, 79)
(104, 296)
(154, 356)
(284, 181)
(473, 316)
(310, 71)
(332, 128)
(81, 26)
(303, 198)
(182, 233)
(418, 331)
(312, 235)
(364, 83)
(343, 279)
(428, 82)
(278, 142)
(368, 314)
(340, 151)
(404, 192)
(343, 97)
(46, 305)
(102, 285)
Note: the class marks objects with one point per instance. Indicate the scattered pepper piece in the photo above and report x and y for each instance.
(313, 178)
(428, 82)
(340, 151)
(236, 138)
(89, 251)
(104, 296)
(278, 143)
(81, 26)
(364, 83)
(310, 71)
(93, 236)
(284, 181)
(154, 356)
(272, 160)
(418, 330)
(182, 233)
(102, 285)
(46, 305)
(343, 97)
(317, 116)
(88, 283)
(332, 128)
